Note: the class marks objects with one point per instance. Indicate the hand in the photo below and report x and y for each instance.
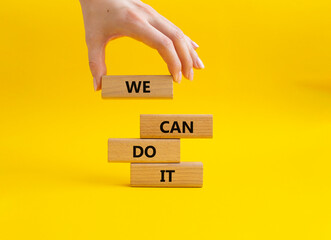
(106, 20)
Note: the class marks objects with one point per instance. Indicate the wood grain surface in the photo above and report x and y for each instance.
(143, 150)
(137, 86)
(184, 174)
(176, 126)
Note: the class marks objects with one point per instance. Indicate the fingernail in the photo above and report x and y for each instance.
(190, 75)
(95, 84)
(200, 63)
(179, 77)
(195, 44)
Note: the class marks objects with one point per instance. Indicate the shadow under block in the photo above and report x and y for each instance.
(143, 150)
(176, 126)
(184, 174)
(137, 86)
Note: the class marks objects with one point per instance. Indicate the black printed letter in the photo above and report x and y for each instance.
(133, 85)
(161, 127)
(135, 155)
(153, 153)
(162, 175)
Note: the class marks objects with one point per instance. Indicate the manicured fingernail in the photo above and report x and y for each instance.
(179, 77)
(195, 44)
(190, 75)
(95, 84)
(200, 63)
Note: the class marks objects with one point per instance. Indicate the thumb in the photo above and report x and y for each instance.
(96, 55)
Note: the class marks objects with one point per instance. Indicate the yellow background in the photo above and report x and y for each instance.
(267, 82)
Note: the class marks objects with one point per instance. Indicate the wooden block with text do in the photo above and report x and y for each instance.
(137, 86)
(176, 126)
(184, 174)
(143, 150)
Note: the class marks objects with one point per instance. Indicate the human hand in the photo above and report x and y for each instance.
(106, 20)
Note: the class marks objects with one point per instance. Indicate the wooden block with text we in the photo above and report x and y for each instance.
(143, 150)
(184, 174)
(137, 86)
(176, 126)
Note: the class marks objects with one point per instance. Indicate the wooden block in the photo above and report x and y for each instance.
(137, 86)
(143, 150)
(184, 174)
(176, 126)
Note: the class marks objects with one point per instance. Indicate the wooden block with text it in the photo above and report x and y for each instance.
(143, 150)
(176, 126)
(184, 174)
(137, 86)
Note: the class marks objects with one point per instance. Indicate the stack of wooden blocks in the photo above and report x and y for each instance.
(155, 157)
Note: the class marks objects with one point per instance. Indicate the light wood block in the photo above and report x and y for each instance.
(176, 126)
(184, 174)
(137, 86)
(143, 150)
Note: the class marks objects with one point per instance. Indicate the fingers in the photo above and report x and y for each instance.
(146, 33)
(192, 43)
(96, 54)
(184, 46)
(197, 63)
(179, 41)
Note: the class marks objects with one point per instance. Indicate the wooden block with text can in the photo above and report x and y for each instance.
(176, 126)
(143, 150)
(137, 86)
(184, 174)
